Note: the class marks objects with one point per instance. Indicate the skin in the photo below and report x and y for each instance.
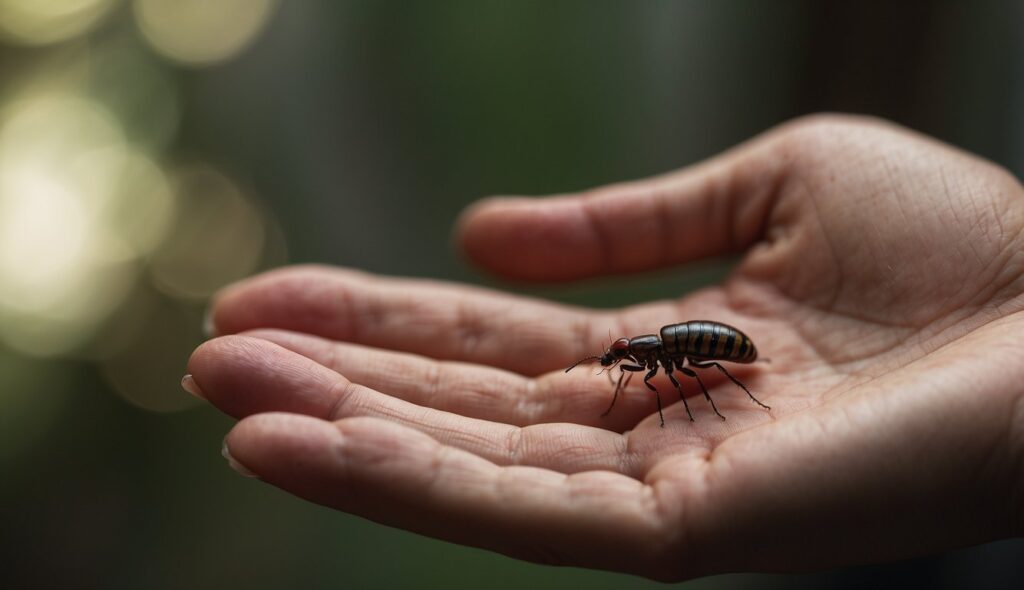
(882, 272)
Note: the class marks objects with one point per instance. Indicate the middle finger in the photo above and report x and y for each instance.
(477, 391)
(244, 376)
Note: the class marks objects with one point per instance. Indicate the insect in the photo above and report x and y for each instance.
(702, 343)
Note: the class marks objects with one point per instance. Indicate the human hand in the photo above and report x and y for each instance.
(883, 274)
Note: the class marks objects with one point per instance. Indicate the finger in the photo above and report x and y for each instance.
(424, 317)
(714, 208)
(472, 390)
(244, 376)
(396, 476)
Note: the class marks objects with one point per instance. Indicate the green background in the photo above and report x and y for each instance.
(361, 129)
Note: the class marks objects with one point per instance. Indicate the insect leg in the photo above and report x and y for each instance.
(733, 379)
(657, 396)
(632, 369)
(707, 396)
(668, 371)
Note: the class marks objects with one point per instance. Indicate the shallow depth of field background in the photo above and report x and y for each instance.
(152, 151)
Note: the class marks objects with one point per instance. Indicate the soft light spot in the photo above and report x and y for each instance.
(79, 209)
(201, 32)
(218, 238)
(39, 22)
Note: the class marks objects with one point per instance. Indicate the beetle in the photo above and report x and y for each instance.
(700, 342)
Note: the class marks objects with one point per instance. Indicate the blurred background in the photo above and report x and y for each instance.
(152, 151)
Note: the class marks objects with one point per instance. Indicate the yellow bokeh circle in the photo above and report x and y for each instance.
(39, 22)
(201, 32)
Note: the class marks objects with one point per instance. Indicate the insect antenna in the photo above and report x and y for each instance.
(582, 360)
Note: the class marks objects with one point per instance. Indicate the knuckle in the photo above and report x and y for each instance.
(514, 446)
(816, 136)
(1001, 181)
(830, 124)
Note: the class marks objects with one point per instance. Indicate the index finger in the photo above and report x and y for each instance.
(717, 207)
(431, 318)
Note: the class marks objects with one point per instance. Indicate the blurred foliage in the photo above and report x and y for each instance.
(354, 132)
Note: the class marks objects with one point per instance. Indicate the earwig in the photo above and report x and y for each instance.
(702, 343)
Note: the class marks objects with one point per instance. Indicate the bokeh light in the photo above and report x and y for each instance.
(118, 72)
(79, 207)
(38, 22)
(201, 32)
(148, 372)
(218, 238)
(144, 209)
(135, 86)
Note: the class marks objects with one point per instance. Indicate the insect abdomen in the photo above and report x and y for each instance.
(708, 340)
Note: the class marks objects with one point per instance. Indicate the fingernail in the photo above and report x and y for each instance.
(232, 463)
(189, 385)
(209, 329)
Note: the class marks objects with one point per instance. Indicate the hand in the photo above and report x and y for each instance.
(883, 274)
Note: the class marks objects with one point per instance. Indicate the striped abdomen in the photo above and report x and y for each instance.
(708, 341)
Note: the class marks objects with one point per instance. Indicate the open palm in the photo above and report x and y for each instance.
(883, 275)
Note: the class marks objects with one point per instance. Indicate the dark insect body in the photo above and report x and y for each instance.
(701, 343)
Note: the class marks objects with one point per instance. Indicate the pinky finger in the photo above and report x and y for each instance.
(401, 477)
